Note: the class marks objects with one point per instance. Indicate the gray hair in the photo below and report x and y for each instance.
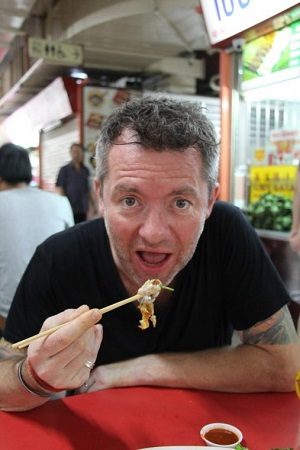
(161, 123)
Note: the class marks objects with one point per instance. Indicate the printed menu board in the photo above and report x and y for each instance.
(98, 103)
(278, 180)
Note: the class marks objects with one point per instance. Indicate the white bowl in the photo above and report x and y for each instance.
(225, 426)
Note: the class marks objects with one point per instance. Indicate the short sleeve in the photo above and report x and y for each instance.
(252, 285)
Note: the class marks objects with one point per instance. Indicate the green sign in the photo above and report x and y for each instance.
(272, 52)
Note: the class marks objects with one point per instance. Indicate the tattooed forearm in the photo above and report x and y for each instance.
(7, 353)
(277, 329)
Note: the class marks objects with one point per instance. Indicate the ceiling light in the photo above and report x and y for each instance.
(78, 74)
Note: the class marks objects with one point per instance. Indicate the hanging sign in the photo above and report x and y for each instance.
(273, 52)
(98, 103)
(226, 18)
(55, 51)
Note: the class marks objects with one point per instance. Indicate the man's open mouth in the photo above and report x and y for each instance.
(152, 258)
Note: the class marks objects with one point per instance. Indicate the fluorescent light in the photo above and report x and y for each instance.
(78, 74)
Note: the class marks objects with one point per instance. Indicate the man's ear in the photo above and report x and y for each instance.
(97, 187)
(212, 199)
(98, 190)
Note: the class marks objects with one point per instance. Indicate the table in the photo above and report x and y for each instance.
(137, 417)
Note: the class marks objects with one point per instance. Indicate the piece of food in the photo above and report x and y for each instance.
(151, 288)
(147, 311)
(149, 291)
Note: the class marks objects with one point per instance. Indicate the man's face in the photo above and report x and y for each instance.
(154, 205)
(76, 154)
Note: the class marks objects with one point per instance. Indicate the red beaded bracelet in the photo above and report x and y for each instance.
(26, 386)
(39, 381)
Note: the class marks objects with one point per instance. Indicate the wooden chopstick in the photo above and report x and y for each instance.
(27, 341)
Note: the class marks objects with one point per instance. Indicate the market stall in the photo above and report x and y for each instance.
(260, 97)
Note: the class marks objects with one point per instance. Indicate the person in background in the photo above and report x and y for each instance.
(157, 181)
(73, 181)
(295, 230)
(28, 216)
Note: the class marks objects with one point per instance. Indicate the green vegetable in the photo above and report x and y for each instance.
(270, 212)
(240, 447)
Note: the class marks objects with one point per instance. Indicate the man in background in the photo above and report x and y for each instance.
(73, 181)
(28, 216)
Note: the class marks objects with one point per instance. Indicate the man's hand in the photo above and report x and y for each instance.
(119, 374)
(60, 359)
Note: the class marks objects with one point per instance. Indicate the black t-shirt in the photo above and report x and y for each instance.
(230, 283)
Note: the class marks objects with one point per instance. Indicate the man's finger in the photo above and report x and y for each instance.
(69, 333)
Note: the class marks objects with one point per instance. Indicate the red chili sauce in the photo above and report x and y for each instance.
(221, 436)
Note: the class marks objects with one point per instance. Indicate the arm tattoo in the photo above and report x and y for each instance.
(277, 329)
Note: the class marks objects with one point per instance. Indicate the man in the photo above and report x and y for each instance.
(73, 180)
(28, 216)
(157, 168)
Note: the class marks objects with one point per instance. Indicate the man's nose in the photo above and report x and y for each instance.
(155, 227)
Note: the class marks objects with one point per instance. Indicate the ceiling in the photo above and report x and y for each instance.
(13, 14)
(130, 36)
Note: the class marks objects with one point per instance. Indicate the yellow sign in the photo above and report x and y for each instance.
(55, 51)
(278, 180)
(259, 154)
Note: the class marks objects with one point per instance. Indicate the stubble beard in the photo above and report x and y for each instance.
(131, 280)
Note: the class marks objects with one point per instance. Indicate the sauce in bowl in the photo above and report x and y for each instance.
(221, 436)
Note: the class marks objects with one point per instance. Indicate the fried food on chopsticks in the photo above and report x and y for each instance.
(147, 311)
(150, 290)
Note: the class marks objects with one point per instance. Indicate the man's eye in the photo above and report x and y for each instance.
(129, 201)
(182, 204)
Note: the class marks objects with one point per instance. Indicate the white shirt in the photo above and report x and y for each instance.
(27, 217)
